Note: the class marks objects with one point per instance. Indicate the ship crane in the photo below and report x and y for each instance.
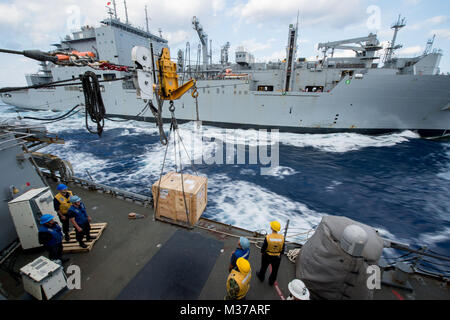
(203, 39)
(371, 45)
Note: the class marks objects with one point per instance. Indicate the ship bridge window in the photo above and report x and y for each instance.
(109, 76)
(265, 88)
(314, 89)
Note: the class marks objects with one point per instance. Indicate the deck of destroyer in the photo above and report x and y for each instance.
(127, 246)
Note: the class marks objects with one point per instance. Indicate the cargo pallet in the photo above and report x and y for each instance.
(72, 245)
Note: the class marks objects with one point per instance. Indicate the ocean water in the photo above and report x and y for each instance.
(397, 183)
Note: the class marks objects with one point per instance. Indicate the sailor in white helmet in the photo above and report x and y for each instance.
(298, 290)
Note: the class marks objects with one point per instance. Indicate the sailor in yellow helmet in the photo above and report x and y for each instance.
(238, 282)
(271, 252)
(61, 204)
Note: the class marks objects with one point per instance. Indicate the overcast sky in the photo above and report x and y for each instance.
(259, 25)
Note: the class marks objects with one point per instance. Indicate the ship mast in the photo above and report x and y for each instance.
(126, 11)
(115, 9)
(401, 22)
(146, 17)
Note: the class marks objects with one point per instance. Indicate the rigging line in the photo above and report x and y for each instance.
(58, 84)
(72, 114)
(53, 119)
(36, 86)
(139, 114)
(230, 234)
(439, 254)
(436, 263)
(298, 234)
(174, 126)
(434, 268)
(190, 160)
(394, 258)
(175, 151)
(160, 178)
(404, 260)
(431, 273)
(182, 187)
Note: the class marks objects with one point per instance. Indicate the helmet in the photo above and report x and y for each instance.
(46, 218)
(61, 187)
(243, 265)
(74, 199)
(245, 244)
(298, 289)
(275, 225)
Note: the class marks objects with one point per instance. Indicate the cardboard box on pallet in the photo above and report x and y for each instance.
(171, 203)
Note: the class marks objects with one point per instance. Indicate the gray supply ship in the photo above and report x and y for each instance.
(333, 94)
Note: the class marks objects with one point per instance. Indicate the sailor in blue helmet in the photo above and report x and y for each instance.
(50, 236)
(61, 204)
(80, 220)
(242, 251)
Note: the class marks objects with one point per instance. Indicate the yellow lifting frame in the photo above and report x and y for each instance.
(168, 78)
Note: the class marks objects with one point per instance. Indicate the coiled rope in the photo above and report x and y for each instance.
(93, 102)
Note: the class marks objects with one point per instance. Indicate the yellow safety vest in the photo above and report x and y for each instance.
(243, 280)
(275, 243)
(64, 203)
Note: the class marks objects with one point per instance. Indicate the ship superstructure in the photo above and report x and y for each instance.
(365, 93)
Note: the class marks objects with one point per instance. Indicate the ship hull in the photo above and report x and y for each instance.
(424, 133)
(378, 103)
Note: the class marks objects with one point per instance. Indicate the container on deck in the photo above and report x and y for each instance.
(171, 203)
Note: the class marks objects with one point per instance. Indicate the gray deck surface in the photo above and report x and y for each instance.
(178, 271)
(127, 246)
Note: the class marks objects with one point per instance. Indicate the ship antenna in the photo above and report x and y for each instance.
(146, 18)
(109, 12)
(115, 9)
(126, 11)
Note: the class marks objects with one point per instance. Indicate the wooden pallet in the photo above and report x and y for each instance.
(72, 245)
